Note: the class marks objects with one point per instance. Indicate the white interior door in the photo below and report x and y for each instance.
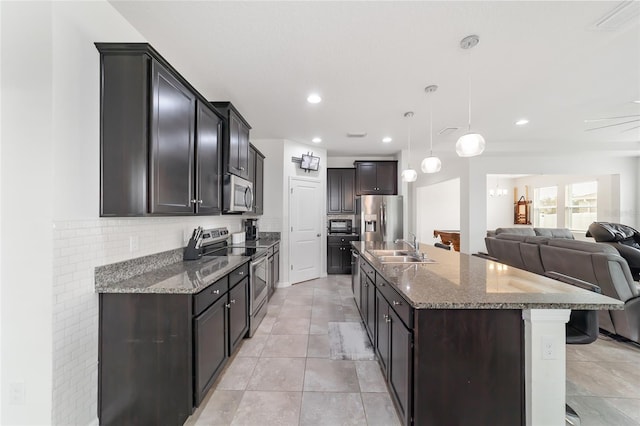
(305, 209)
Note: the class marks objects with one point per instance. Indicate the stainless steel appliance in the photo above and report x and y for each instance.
(251, 229)
(380, 217)
(214, 243)
(340, 226)
(355, 276)
(237, 194)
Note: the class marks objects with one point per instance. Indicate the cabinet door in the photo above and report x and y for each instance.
(276, 269)
(210, 347)
(382, 331)
(238, 314)
(252, 170)
(348, 187)
(387, 178)
(371, 310)
(366, 180)
(363, 297)
(334, 259)
(172, 144)
(400, 355)
(243, 150)
(258, 185)
(208, 136)
(334, 191)
(346, 259)
(233, 154)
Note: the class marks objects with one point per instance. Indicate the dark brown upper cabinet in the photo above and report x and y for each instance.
(159, 144)
(235, 140)
(256, 176)
(376, 177)
(341, 191)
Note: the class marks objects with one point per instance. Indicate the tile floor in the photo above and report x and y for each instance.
(283, 375)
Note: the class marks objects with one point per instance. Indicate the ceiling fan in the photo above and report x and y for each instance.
(620, 121)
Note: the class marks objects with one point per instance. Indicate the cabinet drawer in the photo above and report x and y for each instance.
(342, 239)
(270, 251)
(368, 271)
(276, 248)
(238, 274)
(396, 302)
(209, 295)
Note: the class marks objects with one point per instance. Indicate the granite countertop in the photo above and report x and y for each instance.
(461, 281)
(262, 242)
(177, 278)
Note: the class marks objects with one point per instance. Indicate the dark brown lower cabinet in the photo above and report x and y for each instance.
(159, 354)
(446, 366)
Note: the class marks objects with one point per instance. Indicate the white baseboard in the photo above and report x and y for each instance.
(94, 422)
(283, 284)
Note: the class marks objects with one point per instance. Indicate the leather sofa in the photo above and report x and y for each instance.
(596, 263)
(623, 238)
(532, 232)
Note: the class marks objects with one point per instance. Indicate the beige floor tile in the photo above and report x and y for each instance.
(628, 406)
(278, 374)
(291, 326)
(379, 410)
(295, 311)
(266, 325)
(237, 374)
(332, 409)
(328, 375)
(286, 346)
(217, 409)
(253, 346)
(370, 377)
(318, 346)
(268, 409)
(598, 412)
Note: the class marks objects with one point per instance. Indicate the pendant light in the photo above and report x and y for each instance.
(431, 164)
(470, 144)
(409, 175)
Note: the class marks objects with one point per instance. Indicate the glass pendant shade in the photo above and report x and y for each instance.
(431, 164)
(470, 145)
(409, 175)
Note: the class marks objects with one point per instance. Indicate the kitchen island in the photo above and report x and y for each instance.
(460, 339)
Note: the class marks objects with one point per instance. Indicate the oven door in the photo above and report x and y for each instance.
(258, 282)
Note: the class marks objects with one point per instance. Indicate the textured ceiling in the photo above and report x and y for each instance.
(370, 61)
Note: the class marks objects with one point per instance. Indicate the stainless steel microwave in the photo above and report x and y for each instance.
(237, 194)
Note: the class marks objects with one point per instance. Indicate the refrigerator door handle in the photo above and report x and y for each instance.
(383, 220)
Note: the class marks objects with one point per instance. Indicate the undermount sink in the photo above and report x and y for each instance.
(404, 259)
(379, 253)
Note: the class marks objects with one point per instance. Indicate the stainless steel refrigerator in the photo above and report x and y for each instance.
(380, 217)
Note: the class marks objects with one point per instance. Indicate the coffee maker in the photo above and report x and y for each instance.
(251, 229)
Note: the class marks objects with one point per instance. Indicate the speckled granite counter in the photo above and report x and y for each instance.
(177, 278)
(461, 281)
(262, 242)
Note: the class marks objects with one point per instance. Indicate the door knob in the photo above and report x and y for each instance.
(317, 235)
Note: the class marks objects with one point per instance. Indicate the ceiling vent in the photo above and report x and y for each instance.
(617, 17)
(356, 134)
(448, 131)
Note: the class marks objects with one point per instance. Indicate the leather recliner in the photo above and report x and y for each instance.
(623, 238)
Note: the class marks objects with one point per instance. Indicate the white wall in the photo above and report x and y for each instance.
(473, 186)
(26, 215)
(52, 237)
(500, 208)
(437, 207)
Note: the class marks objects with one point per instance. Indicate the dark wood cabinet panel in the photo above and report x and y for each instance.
(210, 347)
(275, 270)
(376, 177)
(382, 332)
(150, 128)
(339, 253)
(256, 176)
(334, 259)
(208, 135)
(341, 191)
(400, 362)
(238, 313)
(235, 137)
(371, 310)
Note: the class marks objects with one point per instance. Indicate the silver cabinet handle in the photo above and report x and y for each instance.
(228, 305)
(200, 201)
(233, 301)
(317, 235)
(215, 292)
(396, 303)
(386, 318)
(241, 168)
(194, 201)
(241, 273)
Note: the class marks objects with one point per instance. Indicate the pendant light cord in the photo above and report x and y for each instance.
(469, 87)
(431, 128)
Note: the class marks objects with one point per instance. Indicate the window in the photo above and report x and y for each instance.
(581, 205)
(545, 207)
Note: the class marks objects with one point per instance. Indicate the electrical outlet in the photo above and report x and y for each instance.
(134, 243)
(16, 393)
(549, 347)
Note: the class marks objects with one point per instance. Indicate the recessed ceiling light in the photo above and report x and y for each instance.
(522, 122)
(316, 140)
(386, 139)
(314, 98)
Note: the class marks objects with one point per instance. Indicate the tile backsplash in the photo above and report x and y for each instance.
(80, 246)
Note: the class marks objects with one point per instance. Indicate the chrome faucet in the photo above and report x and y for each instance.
(413, 245)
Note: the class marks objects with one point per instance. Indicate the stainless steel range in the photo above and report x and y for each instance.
(215, 243)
